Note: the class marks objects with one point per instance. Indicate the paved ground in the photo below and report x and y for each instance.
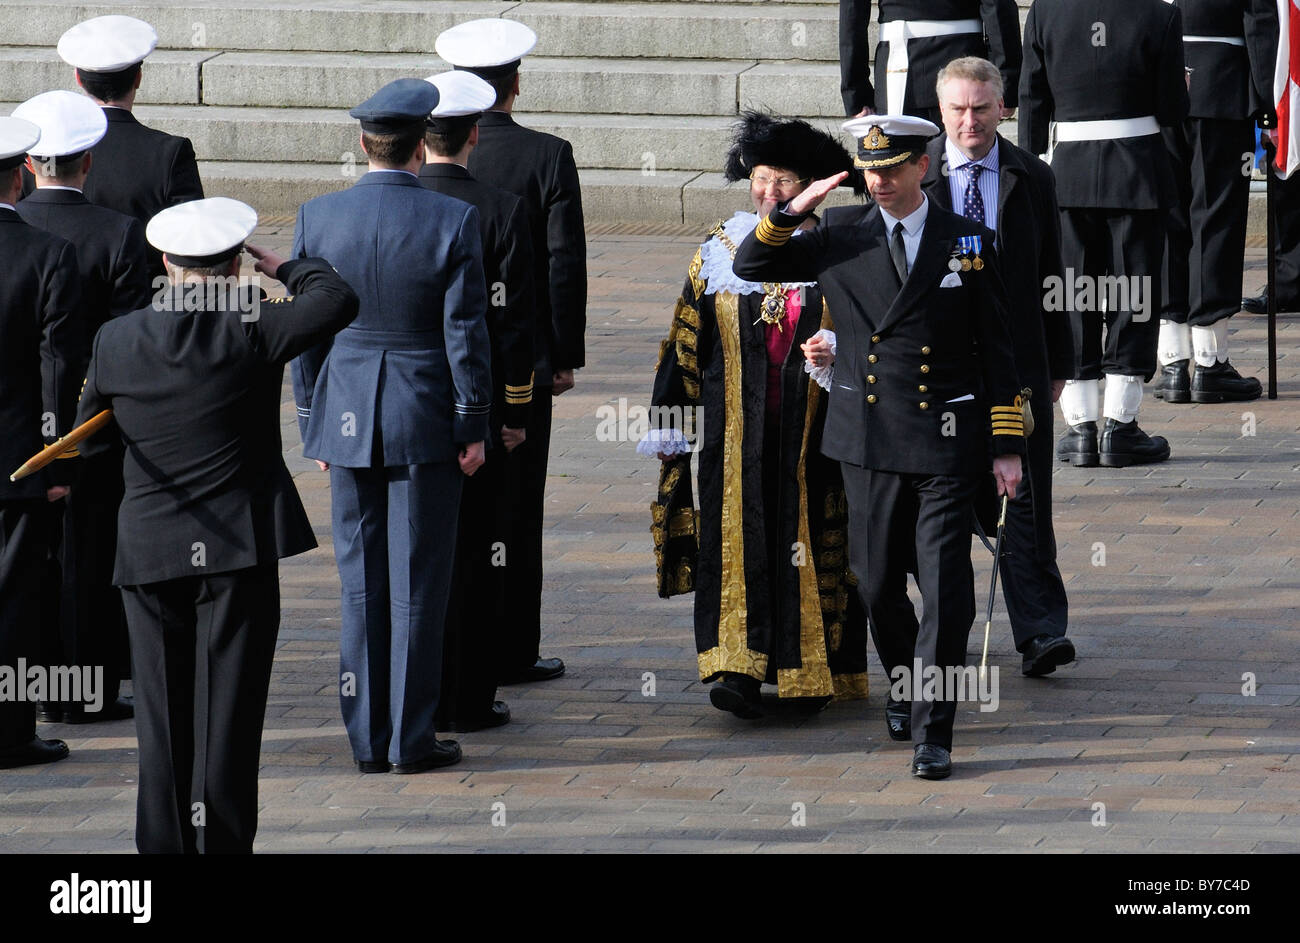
(1199, 587)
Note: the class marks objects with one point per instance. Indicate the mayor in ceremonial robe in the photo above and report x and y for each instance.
(774, 599)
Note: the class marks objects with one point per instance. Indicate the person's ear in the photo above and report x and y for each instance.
(86, 162)
(362, 139)
(139, 74)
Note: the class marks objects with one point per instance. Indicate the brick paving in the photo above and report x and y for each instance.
(1199, 587)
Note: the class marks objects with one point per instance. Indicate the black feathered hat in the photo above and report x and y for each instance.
(796, 145)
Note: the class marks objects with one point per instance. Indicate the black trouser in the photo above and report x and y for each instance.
(522, 623)
(1124, 243)
(473, 628)
(897, 521)
(88, 625)
(1207, 228)
(1286, 215)
(1031, 581)
(24, 545)
(201, 648)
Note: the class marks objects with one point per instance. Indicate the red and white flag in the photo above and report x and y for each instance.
(1286, 87)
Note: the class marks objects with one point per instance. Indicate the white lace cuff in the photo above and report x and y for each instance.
(662, 441)
(822, 376)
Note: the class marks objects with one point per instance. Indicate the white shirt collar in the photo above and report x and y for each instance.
(913, 222)
(8, 206)
(56, 186)
(392, 170)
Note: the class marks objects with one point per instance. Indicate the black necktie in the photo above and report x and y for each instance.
(898, 252)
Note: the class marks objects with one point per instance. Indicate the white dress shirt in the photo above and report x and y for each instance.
(959, 178)
(913, 225)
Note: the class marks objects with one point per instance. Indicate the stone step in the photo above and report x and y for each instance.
(570, 85)
(171, 76)
(798, 30)
(647, 143)
(608, 196)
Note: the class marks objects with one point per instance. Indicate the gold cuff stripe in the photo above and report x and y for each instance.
(771, 235)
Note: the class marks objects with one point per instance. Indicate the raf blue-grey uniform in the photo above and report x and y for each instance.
(389, 404)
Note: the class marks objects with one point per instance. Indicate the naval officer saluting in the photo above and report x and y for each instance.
(194, 384)
(396, 408)
(924, 371)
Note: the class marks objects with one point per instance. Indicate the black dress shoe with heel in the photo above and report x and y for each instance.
(374, 766)
(1223, 384)
(898, 720)
(498, 715)
(32, 753)
(1174, 385)
(1124, 444)
(445, 753)
(930, 761)
(122, 708)
(1044, 654)
(1079, 445)
(544, 669)
(738, 694)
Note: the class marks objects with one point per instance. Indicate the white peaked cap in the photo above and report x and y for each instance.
(202, 231)
(17, 137)
(107, 43)
(461, 93)
(69, 123)
(483, 44)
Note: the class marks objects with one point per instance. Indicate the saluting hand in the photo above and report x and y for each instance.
(265, 261)
(812, 197)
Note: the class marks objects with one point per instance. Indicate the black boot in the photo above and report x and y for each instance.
(1174, 385)
(1223, 384)
(1124, 444)
(738, 694)
(1079, 445)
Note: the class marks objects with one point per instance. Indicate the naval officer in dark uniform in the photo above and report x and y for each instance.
(1099, 81)
(1230, 47)
(476, 610)
(924, 369)
(539, 169)
(917, 38)
(194, 384)
(978, 173)
(140, 171)
(397, 409)
(42, 359)
(88, 627)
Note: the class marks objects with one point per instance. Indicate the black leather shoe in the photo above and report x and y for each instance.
(931, 762)
(1223, 384)
(120, 709)
(1079, 445)
(498, 715)
(738, 694)
(1044, 654)
(544, 670)
(1258, 304)
(374, 766)
(1174, 385)
(1124, 444)
(898, 719)
(30, 754)
(445, 753)
(49, 712)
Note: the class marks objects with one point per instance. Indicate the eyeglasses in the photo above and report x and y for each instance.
(781, 183)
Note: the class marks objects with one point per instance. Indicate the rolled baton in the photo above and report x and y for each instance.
(69, 441)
